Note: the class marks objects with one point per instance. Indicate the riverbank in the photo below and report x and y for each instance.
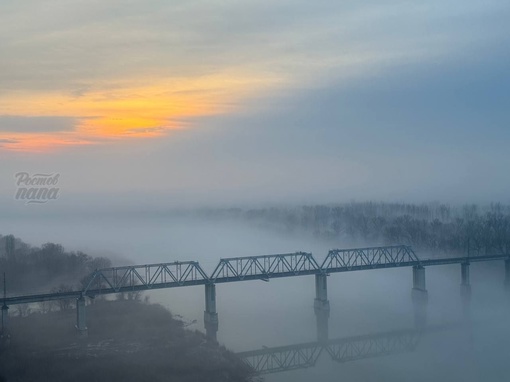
(127, 341)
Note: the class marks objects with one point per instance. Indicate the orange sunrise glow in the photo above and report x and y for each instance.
(127, 112)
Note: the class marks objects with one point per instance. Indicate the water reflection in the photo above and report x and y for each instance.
(353, 348)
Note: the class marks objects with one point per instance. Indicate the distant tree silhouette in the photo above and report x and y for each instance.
(440, 228)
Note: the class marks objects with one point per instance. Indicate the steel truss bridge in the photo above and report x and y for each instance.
(190, 273)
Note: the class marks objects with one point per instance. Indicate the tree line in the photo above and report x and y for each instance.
(440, 228)
(47, 267)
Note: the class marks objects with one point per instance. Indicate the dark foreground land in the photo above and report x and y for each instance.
(127, 341)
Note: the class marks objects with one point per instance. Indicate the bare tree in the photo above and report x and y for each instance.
(45, 306)
(65, 303)
(23, 310)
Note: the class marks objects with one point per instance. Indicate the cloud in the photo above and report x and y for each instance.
(136, 65)
(6, 142)
(420, 132)
(96, 45)
(39, 124)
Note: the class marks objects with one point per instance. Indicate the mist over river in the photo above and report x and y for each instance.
(257, 314)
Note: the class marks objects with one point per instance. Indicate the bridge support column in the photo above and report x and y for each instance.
(210, 314)
(465, 288)
(81, 317)
(419, 296)
(321, 307)
(507, 274)
(5, 318)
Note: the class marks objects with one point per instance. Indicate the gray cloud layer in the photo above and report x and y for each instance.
(78, 45)
(43, 124)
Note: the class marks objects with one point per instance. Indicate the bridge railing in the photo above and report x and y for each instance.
(265, 267)
(142, 277)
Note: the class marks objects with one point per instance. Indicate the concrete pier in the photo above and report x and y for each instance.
(321, 307)
(210, 314)
(5, 318)
(322, 317)
(420, 296)
(465, 285)
(465, 288)
(81, 316)
(507, 274)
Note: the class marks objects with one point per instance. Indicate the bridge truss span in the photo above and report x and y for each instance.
(341, 260)
(144, 277)
(265, 267)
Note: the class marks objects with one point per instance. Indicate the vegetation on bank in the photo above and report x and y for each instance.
(128, 341)
(46, 267)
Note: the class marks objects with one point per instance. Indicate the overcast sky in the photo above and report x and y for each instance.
(232, 102)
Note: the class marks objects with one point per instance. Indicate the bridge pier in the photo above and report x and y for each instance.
(5, 318)
(81, 317)
(507, 274)
(210, 314)
(420, 296)
(465, 288)
(321, 307)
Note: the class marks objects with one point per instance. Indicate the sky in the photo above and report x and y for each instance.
(151, 104)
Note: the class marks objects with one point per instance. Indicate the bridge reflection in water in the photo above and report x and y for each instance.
(300, 356)
(305, 355)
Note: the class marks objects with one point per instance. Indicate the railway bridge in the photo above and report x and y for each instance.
(237, 269)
